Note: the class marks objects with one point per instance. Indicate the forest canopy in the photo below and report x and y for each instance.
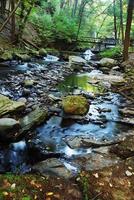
(63, 22)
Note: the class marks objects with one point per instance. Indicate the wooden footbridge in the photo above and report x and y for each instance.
(100, 44)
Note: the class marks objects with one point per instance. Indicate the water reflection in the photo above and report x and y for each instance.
(73, 82)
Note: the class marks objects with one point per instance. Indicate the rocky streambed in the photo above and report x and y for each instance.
(36, 136)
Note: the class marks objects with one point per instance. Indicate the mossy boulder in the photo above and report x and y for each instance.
(75, 105)
(7, 55)
(23, 57)
(7, 105)
(29, 83)
(42, 52)
(108, 62)
(33, 119)
(76, 62)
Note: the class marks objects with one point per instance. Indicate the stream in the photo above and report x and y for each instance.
(58, 137)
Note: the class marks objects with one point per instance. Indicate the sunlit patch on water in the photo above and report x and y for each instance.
(81, 82)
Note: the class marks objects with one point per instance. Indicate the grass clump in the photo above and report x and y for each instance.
(112, 53)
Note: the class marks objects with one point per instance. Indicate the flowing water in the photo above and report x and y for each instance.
(99, 124)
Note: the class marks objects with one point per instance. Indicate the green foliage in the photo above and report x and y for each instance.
(51, 28)
(84, 184)
(59, 24)
(112, 53)
(64, 27)
(26, 198)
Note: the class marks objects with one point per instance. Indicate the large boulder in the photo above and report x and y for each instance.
(52, 166)
(42, 52)
(76, 62)
(75, 105)
(7, 105)
(124, 149)
(8, 129)
(107, 62)
(33, 119)
(82, 141)
(112, 79)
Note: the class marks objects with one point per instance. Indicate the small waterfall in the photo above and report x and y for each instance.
(88, 54)
(51, 58)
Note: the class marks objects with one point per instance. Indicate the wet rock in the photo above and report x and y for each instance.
(127, 111)
(32, 65)
(76, 62)
(53, 97)
(7, 105)
(4, 64)
(24, 100)
(125, 120)
(33, 119)
(52, 166)
(84, 142)
(23, 57)
(8, 128)
(108, 78)
(42, 149)
(26, 92)
(116, 68)
(96, 161)
(30, 99)
(105, 110)
(107, 62)
(125, 149)
(55, 110)
(75, 105)
(29, 83)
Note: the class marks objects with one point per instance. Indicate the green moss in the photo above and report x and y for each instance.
(53, 51)
(7, 55)
(76, 105)
(112, 53)
(26, 198)
(42, 52)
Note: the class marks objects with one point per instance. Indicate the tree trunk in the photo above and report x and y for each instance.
(115, 21)
(128, 29)
(3, 6)
(13, 21)
(11, 14)
(62, 3)
(81, 11)
(121, 21)
(75, 8)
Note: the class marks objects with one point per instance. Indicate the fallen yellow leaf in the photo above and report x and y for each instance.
(5, 193)
(49, 193)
